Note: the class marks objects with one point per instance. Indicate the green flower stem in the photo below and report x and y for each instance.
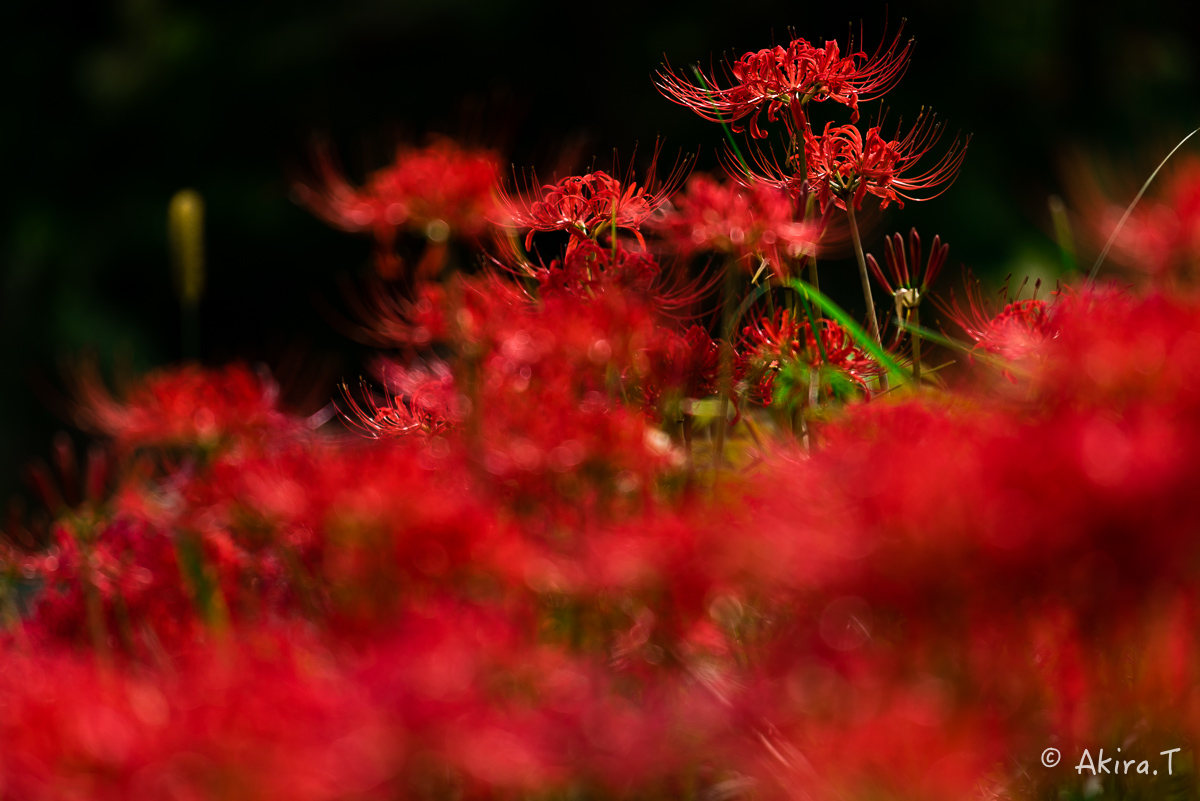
(862, 273)
(728, 324)
(866, 283)
(916, 345)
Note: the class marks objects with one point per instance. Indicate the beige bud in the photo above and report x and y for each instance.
(185, 237)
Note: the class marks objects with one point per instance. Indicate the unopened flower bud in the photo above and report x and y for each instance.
(185, 235)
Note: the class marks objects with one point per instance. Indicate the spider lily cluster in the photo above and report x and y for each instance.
(653, 518)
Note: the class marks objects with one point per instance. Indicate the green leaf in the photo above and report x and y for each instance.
(860, 337)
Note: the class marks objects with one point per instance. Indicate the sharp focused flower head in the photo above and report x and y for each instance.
(843, 167)
(787, 79)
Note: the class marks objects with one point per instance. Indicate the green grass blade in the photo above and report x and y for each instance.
(860, 337)
(812, 322)
(724, 127)
(1129, 209)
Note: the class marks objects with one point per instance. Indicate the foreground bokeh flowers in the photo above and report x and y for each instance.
(602, 528)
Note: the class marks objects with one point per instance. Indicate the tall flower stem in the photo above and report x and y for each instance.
(812, 279)
(814, 387)
(728, 300)
(866, 283)
(810, 207)
(93, 608)
(862, 273)
(916, 344)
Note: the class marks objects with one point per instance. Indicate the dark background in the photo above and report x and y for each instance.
(109, 108)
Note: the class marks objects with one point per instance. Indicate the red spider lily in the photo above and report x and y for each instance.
(415, 401)
(689, 364)
(1013, 331)
(941, 586)
(756, 224)
(388, 317)
(906, 278)
(60, 489)
(778, 78)
(1109, 348)
(909, 284)
(783, 336)
(186, 406)
(772, 342)
(587, 205)
(438, 191)
(702, 372)
(589, 269)
(133, 570)
(842, 167)
(552, 373)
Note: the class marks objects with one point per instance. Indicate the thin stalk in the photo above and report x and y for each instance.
(614, 236)
(866, 284)
(814, 389)
(13, 618)
(760, 439)
(1129, 210)
(812, 321)
(727, 326)
(744, 306)
(190, 328)
(813, 279)
(124, 623)
(814, 398)
(814, 374)
(468, 356)
(862, 274)
(809, 208)
(93, 609)
(916, 345)
(688, 423)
